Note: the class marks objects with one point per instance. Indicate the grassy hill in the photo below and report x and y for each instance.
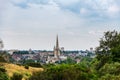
(12, 68)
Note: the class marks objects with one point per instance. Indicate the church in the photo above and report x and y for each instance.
(57, 57)
(56, 50)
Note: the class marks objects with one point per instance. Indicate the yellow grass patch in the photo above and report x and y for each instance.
(12, 68)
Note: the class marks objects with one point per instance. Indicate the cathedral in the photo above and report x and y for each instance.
(56, 50)
(57, 57)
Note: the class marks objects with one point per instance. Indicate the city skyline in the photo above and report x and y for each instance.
(34, 24)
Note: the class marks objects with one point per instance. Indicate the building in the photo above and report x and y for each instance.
(57, 57)
(56, 51)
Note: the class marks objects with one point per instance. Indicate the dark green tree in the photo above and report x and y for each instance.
(108, 50)
(3, 75)
(17, 76)
(111, 39)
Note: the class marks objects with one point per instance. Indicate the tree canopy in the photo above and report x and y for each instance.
(109, 48)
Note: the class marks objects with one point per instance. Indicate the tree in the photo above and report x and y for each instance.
(115, 52)
(1, 44)
(111, 39)
(108, 50)
(65, 72)
(17, 76)
(3, 75)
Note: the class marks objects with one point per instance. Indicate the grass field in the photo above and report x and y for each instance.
(12, 68)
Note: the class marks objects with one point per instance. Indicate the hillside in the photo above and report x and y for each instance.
(12, 68)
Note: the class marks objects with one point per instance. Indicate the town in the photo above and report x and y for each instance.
(58, 55)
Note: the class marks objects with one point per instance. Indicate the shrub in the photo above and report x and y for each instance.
(2, 69)
(2, 59)
(26, 67)
(3, 76)
(34, 64)
(64, 72)
(17, 76)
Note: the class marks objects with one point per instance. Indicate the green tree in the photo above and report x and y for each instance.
(108, 50)
(115, 52)
(17, 76)
(65, 72)
(1, 44)
(111, 39)
(3, 75)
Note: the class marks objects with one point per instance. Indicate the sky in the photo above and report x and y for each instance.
(34, 24)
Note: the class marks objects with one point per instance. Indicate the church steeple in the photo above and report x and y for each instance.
(56, 49)
(57, 43)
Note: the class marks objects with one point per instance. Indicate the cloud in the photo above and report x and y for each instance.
(38, 1)
(97, 8)
(114, 11)
(101, 8)
(96, 33)
(66, 2)
(13, 33)
(38, 21)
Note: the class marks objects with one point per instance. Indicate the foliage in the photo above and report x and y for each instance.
(17, 76)
(5, 57)
(33, 64)
(110, 71)
(113, 68)
(111, 39)
(21, 52)
(69, 60)
(109, 49)
(13, 68)
(107, 62)
(2, 69)
(65, 72)
(2, 59)
(48, 65)
(27, 61)
(115, 52)
(26, 67)
(3, 75)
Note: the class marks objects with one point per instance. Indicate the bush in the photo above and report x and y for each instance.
(17, 76)
(34, 64)
(2, 59)
(64, 72)
(2, 69)
(26, 67)
(3, 76)
(113, 69)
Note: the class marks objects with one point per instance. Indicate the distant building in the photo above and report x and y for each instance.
(57, 54)
(56, 49)
(62, 49)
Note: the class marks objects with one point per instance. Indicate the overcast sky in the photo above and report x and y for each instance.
(34, 24)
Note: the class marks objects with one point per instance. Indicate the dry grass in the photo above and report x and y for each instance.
(12, 68)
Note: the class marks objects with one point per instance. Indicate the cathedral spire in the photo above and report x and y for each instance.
(57, 42)
(56, 48)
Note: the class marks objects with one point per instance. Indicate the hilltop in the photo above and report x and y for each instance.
(13, 68)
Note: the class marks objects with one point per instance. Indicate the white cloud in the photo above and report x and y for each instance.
(114, 10)
(13, 33)
(41, 22)
(66, 2)
(84, 11)
(18, 1)
(96, 33)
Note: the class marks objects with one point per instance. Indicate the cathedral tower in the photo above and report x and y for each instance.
(57, 49)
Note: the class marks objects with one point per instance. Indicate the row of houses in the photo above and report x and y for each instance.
(47, 56)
